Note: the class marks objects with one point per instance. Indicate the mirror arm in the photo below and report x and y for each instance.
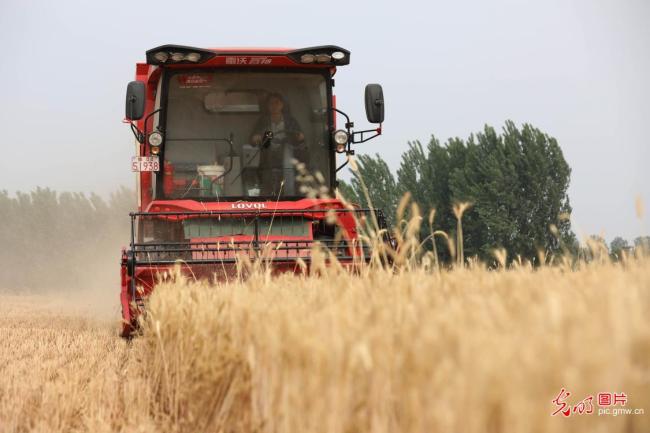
(353, 136)
(139, 135)
(361, 138)
(348, 126)
(343, 165)
(342, 113)
(146, 119)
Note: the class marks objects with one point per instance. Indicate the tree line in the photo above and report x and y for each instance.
(619, 247)
(515, 180)
(56, 240)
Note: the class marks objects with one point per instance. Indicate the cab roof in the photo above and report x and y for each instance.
(320, 56)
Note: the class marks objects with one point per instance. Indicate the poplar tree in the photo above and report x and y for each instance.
(516, 181)
(374, 172)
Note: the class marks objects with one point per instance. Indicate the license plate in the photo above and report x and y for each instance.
(145, 163)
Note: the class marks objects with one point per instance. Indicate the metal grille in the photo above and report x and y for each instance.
(261, 228)
(284, 246)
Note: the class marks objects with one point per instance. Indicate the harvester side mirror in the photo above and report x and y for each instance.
(135, 100)
(374, 103)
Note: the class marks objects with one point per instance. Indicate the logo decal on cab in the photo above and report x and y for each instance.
(248, 205)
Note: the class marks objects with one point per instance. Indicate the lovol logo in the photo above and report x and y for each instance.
(248, 205)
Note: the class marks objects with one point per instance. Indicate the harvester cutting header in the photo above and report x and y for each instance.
(224, 139)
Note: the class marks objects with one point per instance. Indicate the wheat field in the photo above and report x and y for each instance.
(464, 350)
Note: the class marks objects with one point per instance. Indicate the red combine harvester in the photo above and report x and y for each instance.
(224, 138)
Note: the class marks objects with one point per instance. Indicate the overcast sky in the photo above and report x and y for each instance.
(578, 70)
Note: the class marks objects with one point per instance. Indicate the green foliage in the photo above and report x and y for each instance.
(642, 243)
(516, 182)
(375, 174)
(348, 192)
(617, 246)
(53, 240)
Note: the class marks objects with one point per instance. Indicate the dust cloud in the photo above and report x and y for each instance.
(65, 247)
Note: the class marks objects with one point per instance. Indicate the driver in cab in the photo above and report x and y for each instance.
(279, 121)
(285, 144)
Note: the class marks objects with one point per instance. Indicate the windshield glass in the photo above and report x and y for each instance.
(218, 129)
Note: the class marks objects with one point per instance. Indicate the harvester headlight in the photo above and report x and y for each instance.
(337, 55)
(178, 57)
(341, 139)
(323, 58)
(161, 56)
(307, 58)
(193, 57)
(155, 139)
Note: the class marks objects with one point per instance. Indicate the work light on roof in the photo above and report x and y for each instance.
(325, 55)
(161, 56)
(307, 58)
(323, 58)
(170, 54)
(193, 57)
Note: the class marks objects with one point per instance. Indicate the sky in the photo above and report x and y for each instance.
(577, 70)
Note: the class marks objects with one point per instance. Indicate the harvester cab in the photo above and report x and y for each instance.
(234, 149)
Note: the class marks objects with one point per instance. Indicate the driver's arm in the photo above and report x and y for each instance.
(294, 126)
(258, 131)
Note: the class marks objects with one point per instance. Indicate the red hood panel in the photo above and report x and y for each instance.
(197, 206)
